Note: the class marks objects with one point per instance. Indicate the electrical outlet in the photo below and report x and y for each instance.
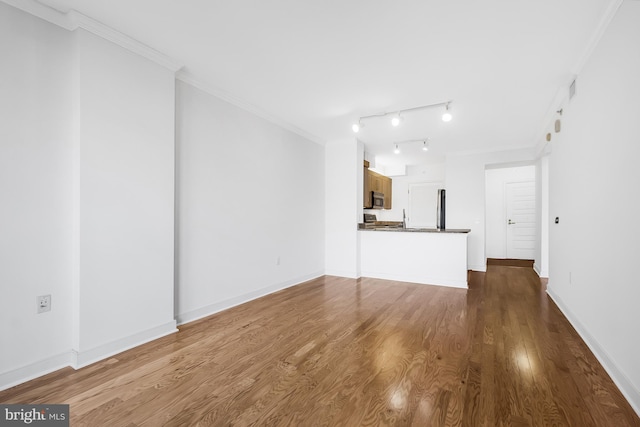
(44, 303)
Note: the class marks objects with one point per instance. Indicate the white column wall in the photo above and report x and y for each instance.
(343, 206)
(125, 137)
(541, 264)
(36, 195)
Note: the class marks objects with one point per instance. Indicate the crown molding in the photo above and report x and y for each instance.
(190, 79)
(41, 11)
(72, 20)
(600, 29)
(78, 20)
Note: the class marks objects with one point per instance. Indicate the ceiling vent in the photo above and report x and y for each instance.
(572, 90)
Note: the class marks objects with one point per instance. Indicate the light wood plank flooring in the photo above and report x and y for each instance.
(343, 352)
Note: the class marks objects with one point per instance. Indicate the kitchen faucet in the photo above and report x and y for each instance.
(404, 219)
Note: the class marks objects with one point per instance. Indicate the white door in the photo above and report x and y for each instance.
(521, 219)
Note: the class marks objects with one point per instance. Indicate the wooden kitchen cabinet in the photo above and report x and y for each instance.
(380, 184)
(386, 190)
(376, 182)
(367, 202)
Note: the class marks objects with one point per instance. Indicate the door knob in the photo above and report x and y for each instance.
(511, 222)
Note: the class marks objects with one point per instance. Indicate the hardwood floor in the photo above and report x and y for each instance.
(341, 352)
(510, 262)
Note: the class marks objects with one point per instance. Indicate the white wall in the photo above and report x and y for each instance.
(541, 264)
(496, 206)
(465, 185)
(35, 192)
(250, 205)
(594, 175)
(343, 206)
(125, 125)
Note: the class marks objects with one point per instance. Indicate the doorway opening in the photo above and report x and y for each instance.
(511, 219)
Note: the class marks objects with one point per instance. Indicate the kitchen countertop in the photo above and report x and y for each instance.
(415, 230)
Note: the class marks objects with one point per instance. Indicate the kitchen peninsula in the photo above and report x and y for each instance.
(420, 255)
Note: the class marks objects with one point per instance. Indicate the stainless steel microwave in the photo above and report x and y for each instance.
(377, 200)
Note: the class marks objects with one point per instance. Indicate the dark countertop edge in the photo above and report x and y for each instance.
(417, 230)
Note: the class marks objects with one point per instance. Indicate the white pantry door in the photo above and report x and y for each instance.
(521, 219)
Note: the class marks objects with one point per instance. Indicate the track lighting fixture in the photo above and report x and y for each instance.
(446, 116)
(398, 117)
(395, 121)
(425, 144)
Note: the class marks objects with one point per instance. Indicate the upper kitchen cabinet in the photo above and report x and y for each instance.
(367, 202)
(375, 182)
(386, 190)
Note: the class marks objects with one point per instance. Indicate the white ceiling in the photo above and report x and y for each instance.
(319, 65)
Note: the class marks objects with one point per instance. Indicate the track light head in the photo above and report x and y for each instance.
(356, 127)
(446, 116)
(395, 120)
(397, 150)
(425, 147)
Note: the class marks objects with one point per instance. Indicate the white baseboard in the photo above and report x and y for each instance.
(433, 281)
(630, 392)
(536, 269)
(34, 370)
(210, 309)
(539, 272)
(84, 358)
(478, 267)
(78, 360)
(351, 274)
